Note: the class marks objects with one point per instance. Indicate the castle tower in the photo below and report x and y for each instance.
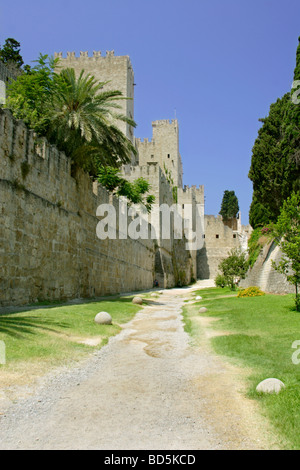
(6, 75)
(117, 70)
(163, 150)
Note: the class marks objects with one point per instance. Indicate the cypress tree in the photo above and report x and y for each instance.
(10, 53)
(229, 206)
(274, 170)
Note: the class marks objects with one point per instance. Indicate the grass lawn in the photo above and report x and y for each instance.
(263, 331)
(39, 339)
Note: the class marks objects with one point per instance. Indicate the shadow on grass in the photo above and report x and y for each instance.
(56, 303)
(20, 326)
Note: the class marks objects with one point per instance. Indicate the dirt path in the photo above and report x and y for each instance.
(147, 389)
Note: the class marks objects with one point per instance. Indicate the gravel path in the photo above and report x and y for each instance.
(146, 389)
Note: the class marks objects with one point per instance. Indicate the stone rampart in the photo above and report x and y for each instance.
(264, 276)
(48, 244)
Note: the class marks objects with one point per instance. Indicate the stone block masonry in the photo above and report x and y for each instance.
(264, 276)
(163, 149)
(48, 244)
(219, 240)
(174, 263)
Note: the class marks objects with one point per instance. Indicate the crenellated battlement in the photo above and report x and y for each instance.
(94, 61)
(141, 171)
(165, 122)
(144, 141)
(85, 55)
(191, 189)
(190, 193)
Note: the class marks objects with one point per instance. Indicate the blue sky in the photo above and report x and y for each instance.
(217, 64)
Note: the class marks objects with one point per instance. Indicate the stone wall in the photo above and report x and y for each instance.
(5, 74)
(174, 263)
(219, 240)
(264, 276)
(48, 243)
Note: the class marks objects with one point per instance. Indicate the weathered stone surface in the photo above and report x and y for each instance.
(203, 310)
(137, 300)
(103, 318)
(270, 386)
(264, 276)
(219, 240)
(50, 244)
(51, 250)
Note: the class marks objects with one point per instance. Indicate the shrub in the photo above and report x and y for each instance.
(220, 280)
(252, 291)
(234, 268)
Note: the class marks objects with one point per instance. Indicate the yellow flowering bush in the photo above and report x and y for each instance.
(252, 291)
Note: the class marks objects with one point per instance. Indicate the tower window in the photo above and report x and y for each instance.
(217, 236)
(168, 155)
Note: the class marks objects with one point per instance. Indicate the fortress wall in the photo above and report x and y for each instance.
(264, 276)
(48, 244)
(173, 261)
(218, 242)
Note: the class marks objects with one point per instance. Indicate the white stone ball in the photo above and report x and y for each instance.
(103, 318)
(137, 300)
(270, 386)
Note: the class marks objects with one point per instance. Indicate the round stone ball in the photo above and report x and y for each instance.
(203, 310)
(137, 300)
(198, 297)
(103, 318)
(270, 386)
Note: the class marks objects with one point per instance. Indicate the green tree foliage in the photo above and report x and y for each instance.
(74, 114)
(83, 122)
(229, 206)
(292, 125)
(29, 97)
(220, 280)
(287, 233)
(136, 192)
(10, 54)
(274, 170)
(233, 268)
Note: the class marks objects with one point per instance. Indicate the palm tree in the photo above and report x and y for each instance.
(83, 122)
